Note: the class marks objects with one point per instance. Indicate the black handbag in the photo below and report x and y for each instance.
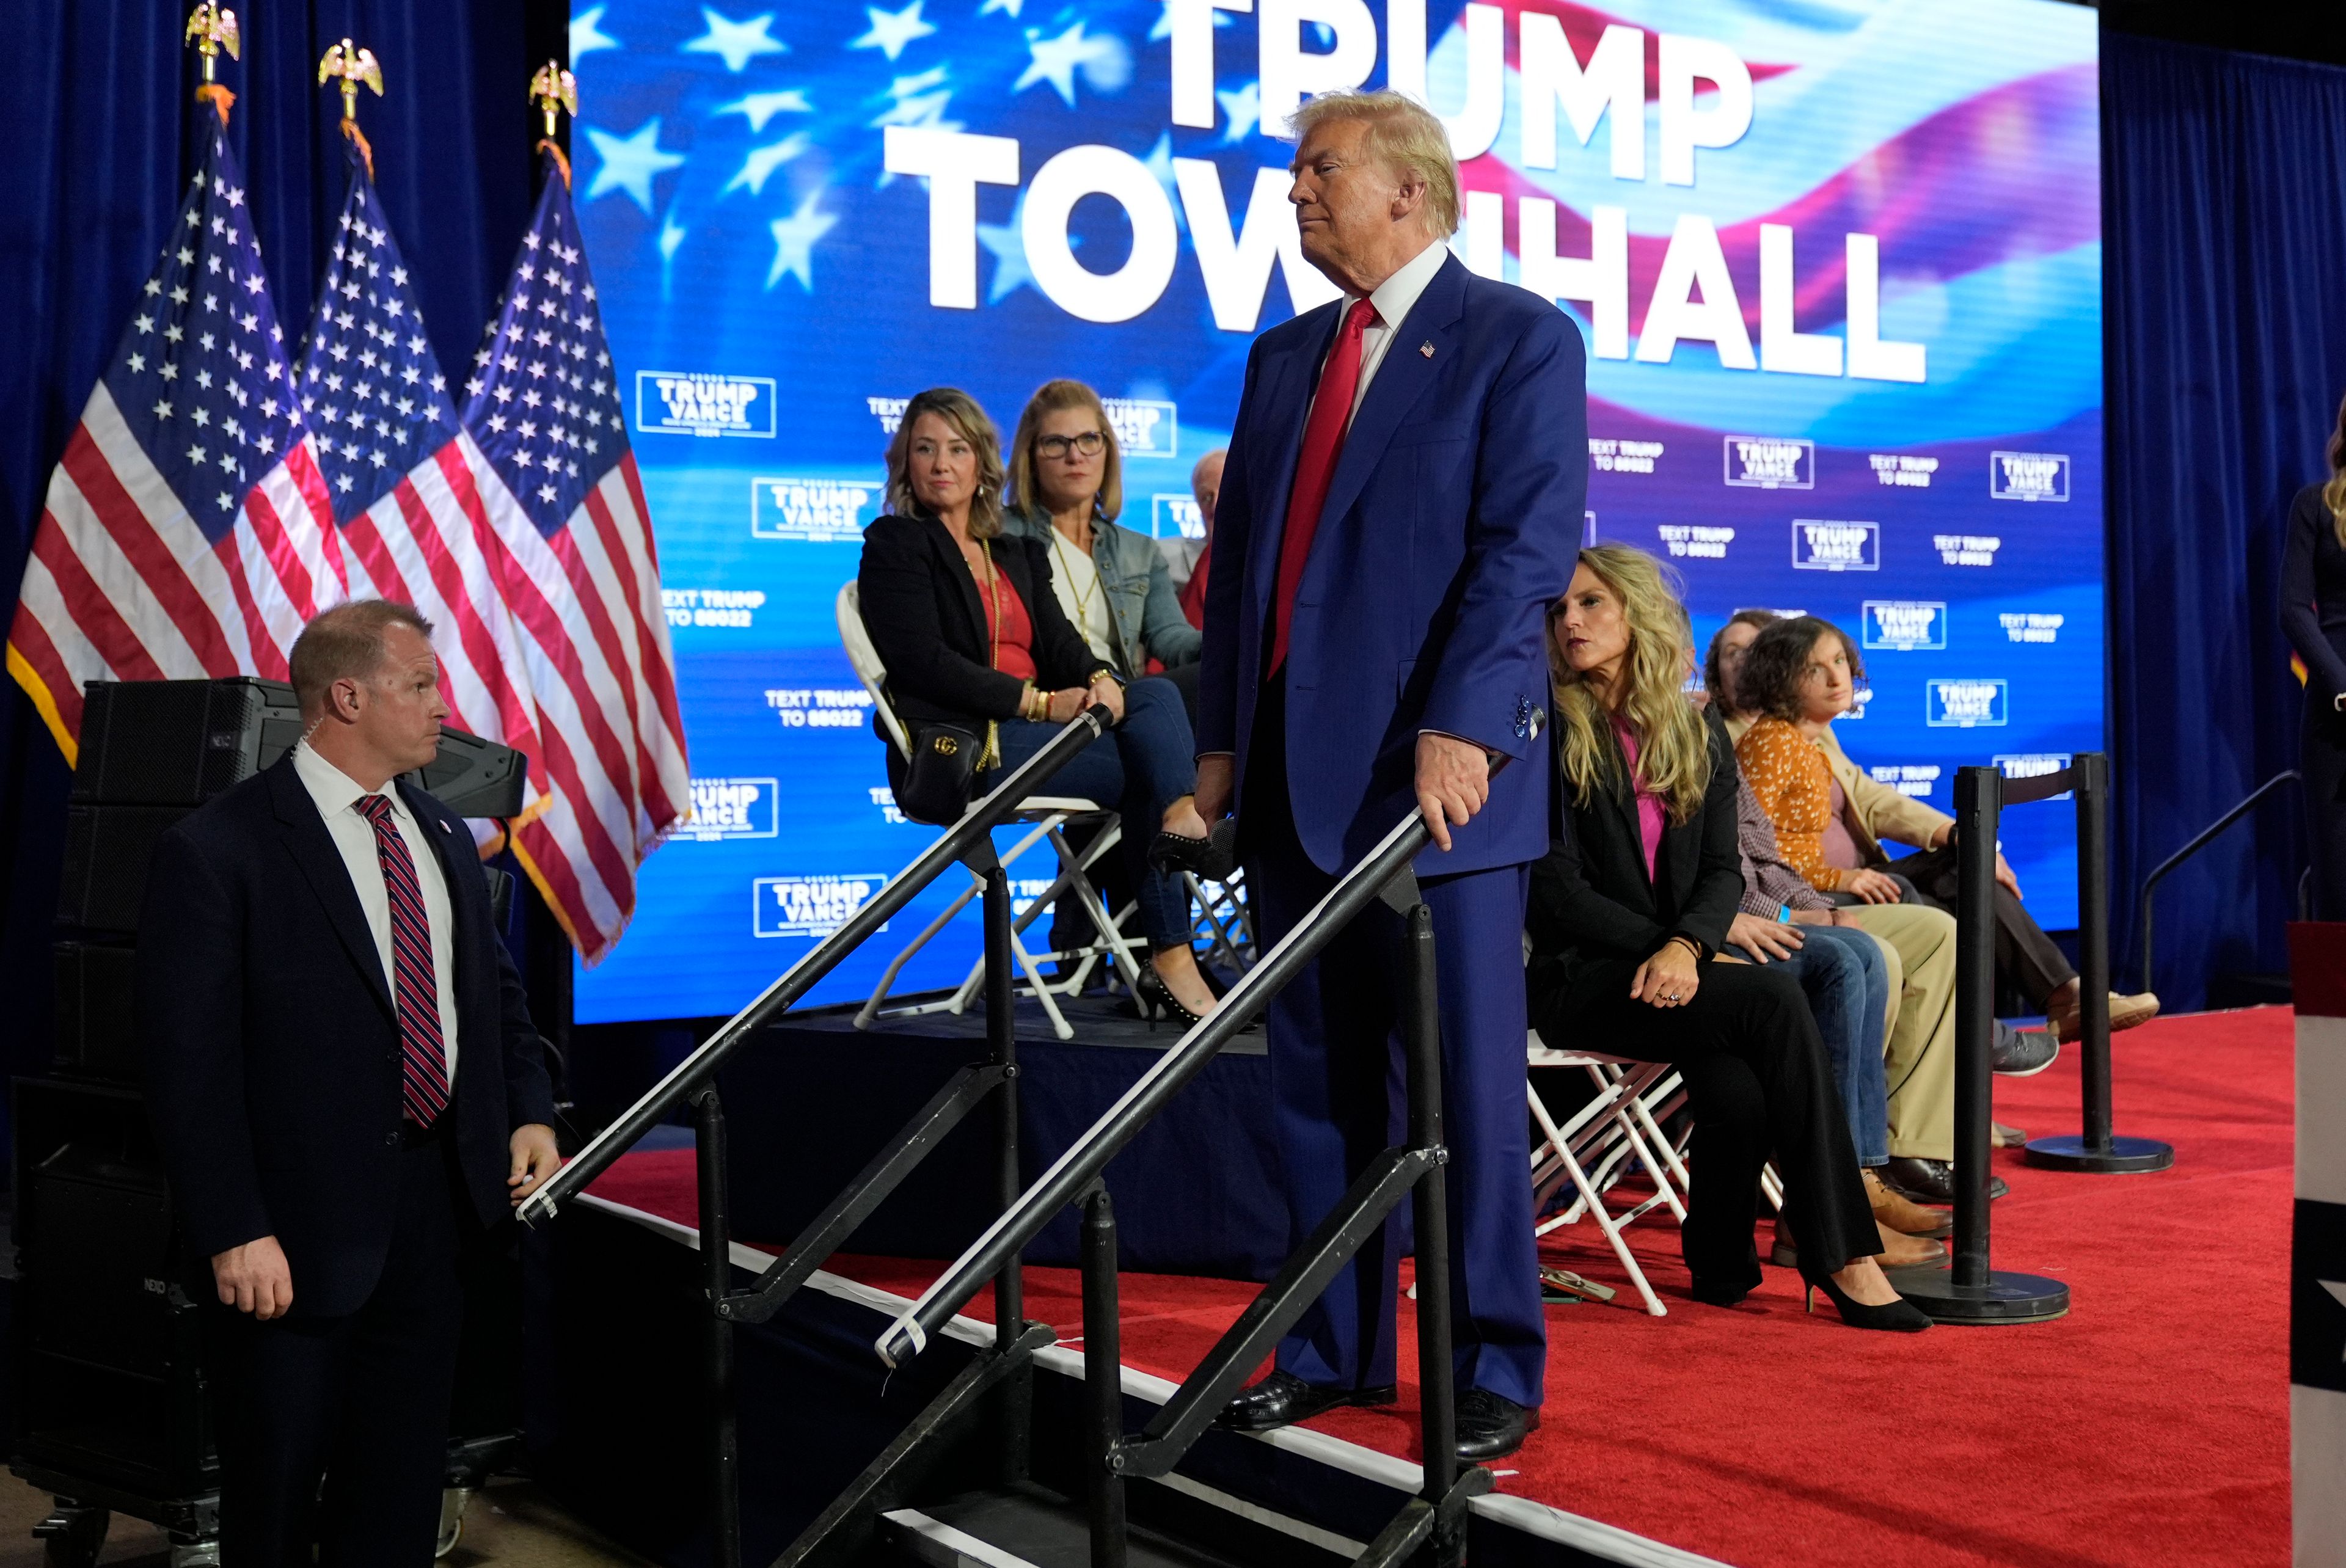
(940, 774)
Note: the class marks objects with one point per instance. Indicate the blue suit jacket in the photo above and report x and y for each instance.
(1454, 519)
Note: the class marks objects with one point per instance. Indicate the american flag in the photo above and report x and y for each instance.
(187, 532)
(558, 485)
(403, 481)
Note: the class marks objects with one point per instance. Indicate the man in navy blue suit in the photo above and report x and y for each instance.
(1402, 501)
(349, 1094)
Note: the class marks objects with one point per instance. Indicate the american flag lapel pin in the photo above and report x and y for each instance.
(1427, 348)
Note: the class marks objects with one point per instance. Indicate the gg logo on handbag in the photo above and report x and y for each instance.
(944, 744)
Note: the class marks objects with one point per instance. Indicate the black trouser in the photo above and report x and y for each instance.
(2026, 959)
(1757, 1081)
(362, 1401)
(2321, 737)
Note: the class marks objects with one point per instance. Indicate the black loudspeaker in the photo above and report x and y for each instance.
(96, 1038)
(107, 847)
(472, 777)
(109, 1346)
(180, 742)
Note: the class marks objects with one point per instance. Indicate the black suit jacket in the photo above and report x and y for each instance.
(921, 609)
(273, 1050)
(1591, 899)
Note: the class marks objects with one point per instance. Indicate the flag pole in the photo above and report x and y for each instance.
(211, 27)
(349, 68)
(553, 89)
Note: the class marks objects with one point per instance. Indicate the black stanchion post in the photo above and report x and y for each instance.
(2098, 1150)
(717, 1271)
(1421, 1035)
(1002, 1039)
(1103, 1380)
(1969, 1290)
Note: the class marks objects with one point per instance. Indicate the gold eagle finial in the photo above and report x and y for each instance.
(554, 88)
(211, 27)
(353, 66)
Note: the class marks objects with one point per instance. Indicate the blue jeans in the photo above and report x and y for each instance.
(1842, 974)
(1141, 766)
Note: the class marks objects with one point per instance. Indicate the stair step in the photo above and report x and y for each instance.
(1022, 1527)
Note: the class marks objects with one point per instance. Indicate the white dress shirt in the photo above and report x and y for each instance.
(336, 795)
(1392, 300)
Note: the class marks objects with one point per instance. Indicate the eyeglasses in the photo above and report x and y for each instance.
(1057, 446)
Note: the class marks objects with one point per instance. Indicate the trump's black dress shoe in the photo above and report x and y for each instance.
(1283, 1399)
(1929, 1181)
(1492, 1426)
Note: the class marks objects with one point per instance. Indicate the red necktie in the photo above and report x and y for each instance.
(423, 1056)
(1323, 440)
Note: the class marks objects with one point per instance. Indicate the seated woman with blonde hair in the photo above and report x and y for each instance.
(973, 635)
(1629, 912)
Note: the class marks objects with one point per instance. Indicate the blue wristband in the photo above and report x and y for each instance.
(1783, 914)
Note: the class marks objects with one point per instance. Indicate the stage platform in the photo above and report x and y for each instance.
(2149, 1426)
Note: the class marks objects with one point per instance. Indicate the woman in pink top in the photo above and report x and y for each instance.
(1629, 910)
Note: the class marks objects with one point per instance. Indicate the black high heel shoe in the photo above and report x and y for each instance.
(1898, 1316)
(1212, 859)
(1154, 997)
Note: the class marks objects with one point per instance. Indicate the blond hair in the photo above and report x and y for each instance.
(1051, 397)
(1673, 741)
(1404, 136)
(962, 411)
(2334, 494)
(346, 642)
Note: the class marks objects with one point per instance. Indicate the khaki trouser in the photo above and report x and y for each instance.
(1918, 1062)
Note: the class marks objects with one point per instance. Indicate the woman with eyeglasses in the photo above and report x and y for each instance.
(1066, 490)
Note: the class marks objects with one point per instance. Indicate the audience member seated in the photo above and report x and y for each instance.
(1919, 1059)
(1832, 818)
(1628, 913)
(1066, 490)
(1191, 560)
(973, 635)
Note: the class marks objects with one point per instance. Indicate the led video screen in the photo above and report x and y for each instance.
(1838, 267)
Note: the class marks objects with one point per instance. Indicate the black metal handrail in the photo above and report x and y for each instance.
(1075, 1170)
(2200, 842)
(699, 1068)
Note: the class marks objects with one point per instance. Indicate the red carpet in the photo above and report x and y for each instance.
(2149, 1426)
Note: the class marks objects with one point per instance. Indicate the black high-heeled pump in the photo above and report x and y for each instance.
(1153, 996)
(1212, 859)
(1897, 1317)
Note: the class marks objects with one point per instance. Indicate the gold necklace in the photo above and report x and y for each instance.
(1083, 597)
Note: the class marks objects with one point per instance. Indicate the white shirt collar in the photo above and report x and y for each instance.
(1396, 294)
(334, 790)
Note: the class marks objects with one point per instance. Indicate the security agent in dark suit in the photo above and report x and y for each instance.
(349, 1095)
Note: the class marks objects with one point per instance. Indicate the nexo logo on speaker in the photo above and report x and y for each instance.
(815, 511)
(1820, 546)
(1767, 463)
(733, 809)
(810, 906)
(1905, 624)
(1963, 704)
(679, 402)
(2028, 475)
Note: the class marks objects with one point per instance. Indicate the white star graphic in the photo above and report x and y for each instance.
(1244, 107)
(1010, 7)
(794, 240)
(1104, 61)
(762, 161)
(736, 42)
(760, 107)
(892, 30)
(586, 34)
(630, 163)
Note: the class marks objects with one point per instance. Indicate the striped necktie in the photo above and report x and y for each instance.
(423, 1056)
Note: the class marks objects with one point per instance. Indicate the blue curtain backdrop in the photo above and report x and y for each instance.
(103, 140)
(2225, 220)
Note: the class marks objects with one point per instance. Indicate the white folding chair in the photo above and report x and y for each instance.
(1592, 1148)
(1046, 817)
